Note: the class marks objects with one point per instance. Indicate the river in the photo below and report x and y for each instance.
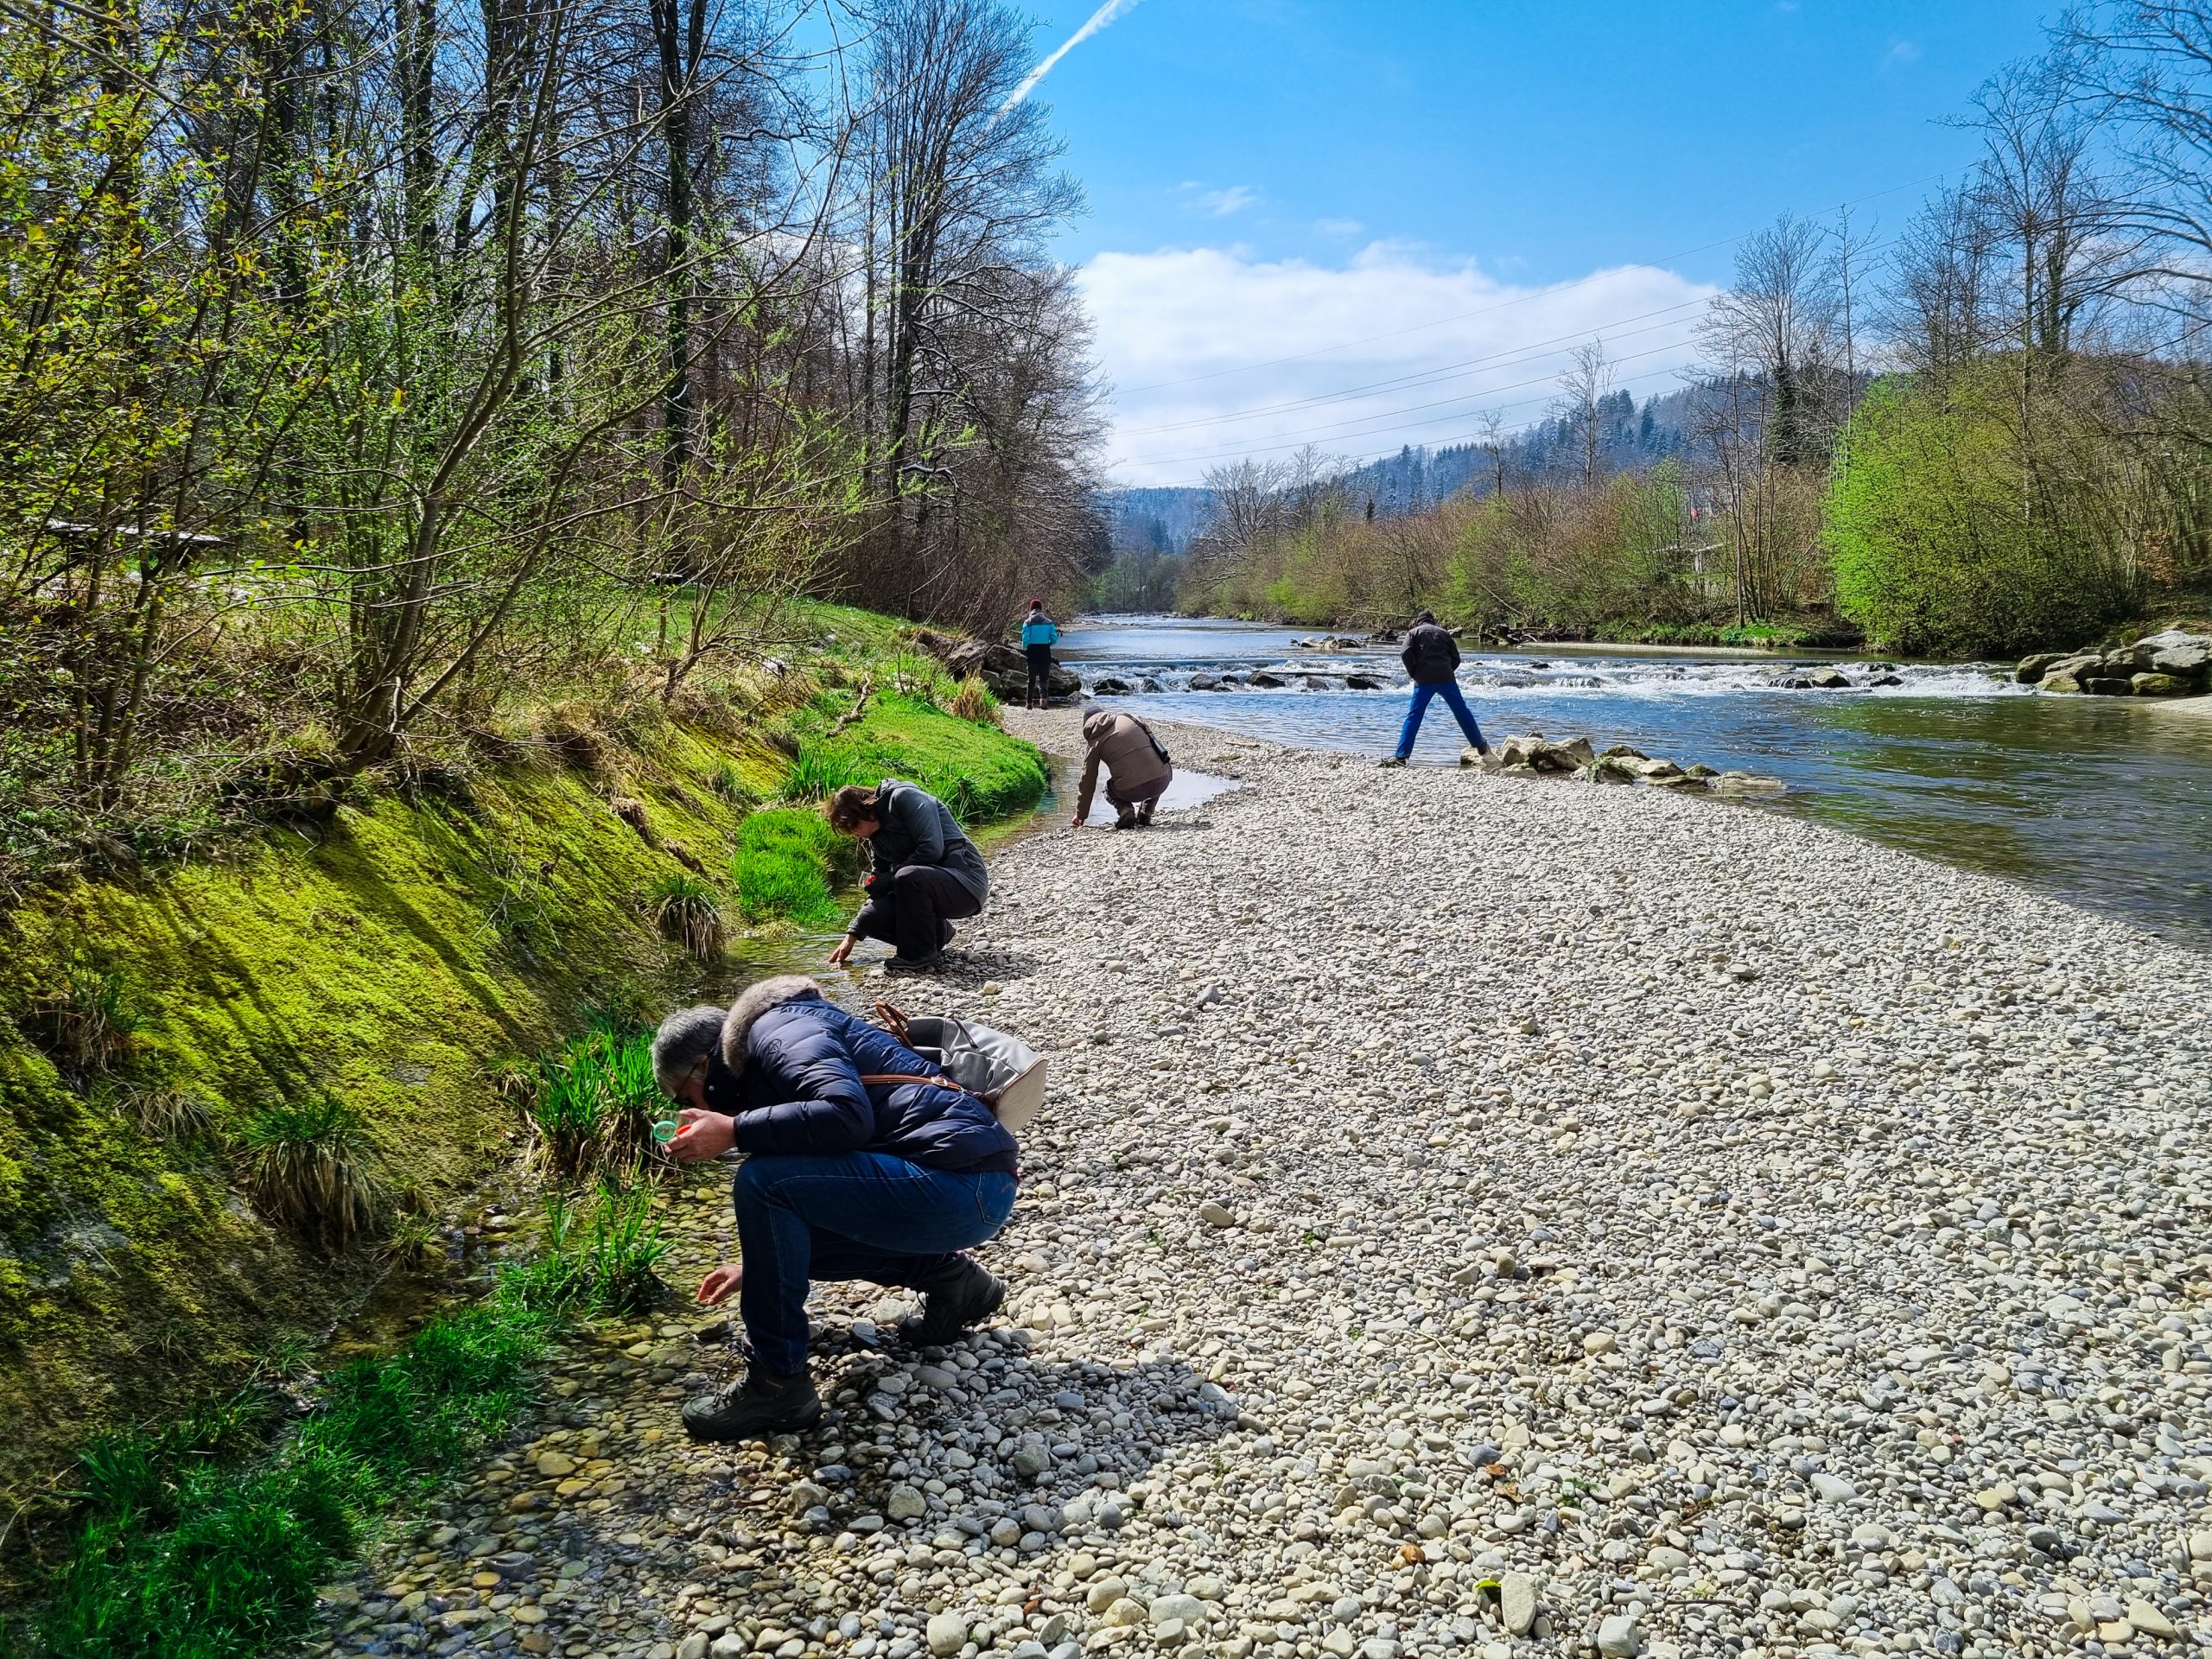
(2105, 802)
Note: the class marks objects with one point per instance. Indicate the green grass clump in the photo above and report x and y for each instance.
(977, 772)
(783, 867)
(817, 773)
(688, 912)
(206, 1541)
(595, 1102)
(608, 1264)
(309, 1166)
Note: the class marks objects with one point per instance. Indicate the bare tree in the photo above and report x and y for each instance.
(960, 192)
(1939, 313)
(1491, 442)
(1584, 388)
(1780, 316)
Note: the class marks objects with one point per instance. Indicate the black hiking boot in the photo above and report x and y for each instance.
(1125, 819)
(956, 1297)
(928, 965)
(1144, 813)
(1395, 760)
(762, 1406)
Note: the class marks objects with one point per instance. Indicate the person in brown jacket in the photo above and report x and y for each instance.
(1138, 771)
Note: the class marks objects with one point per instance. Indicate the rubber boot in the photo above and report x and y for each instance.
(762, 1406)
(956, 1297)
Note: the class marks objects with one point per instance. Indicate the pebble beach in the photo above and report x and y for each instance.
(1473, 1215)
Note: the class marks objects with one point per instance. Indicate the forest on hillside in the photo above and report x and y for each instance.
(1987, 432)
(376, 370)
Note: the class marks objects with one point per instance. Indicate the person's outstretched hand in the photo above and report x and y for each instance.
(1076, 822)
(701, 1135)
(844, 949)
(722, 1284)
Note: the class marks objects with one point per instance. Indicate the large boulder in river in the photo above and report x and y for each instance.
(2163, 685)
(1002, 668)
(2173, 664)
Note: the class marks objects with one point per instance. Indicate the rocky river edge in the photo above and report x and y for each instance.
(1473, 1214)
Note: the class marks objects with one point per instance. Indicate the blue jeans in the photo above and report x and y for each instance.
(1449, 691)
(856, 1215)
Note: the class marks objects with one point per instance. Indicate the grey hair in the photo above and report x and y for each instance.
(684, 1038)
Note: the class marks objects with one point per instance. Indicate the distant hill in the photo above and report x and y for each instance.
(1633, 438)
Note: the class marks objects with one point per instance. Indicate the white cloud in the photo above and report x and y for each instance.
(1221, 203)
(1202, 344)
(1337, 227)
(1901, 53)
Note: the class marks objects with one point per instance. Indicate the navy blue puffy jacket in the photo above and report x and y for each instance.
(796, 1088)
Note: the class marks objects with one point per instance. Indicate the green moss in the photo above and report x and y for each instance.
(398, 962)
(400, 957)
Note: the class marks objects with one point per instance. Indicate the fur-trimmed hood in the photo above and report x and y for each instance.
(755, 1000)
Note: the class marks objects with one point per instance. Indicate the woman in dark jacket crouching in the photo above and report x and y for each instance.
(857, 1167)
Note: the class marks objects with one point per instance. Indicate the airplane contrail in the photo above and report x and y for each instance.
(1098, 20)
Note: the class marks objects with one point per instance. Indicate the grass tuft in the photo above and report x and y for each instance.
(688, 912)
(728, 783)
(85, 1021)
(309, 1166)
(595, 1104)
(816, 773)
(972, 701)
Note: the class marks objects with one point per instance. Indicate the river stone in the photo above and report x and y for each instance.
(905, 1503)
(1189, 1609)
(1215, 1214)
(2162, 685)
(1516, 1602)
(1618, 1637)
(947, 1633)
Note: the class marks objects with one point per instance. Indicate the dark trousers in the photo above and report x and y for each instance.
(1449, 691)
(1145, 796)
(851, 1215)
(1040, 673)
(915, 915)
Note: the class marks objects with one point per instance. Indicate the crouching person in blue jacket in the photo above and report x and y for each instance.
(858, 1164)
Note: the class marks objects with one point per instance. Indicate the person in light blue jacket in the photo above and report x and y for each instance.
(1038, 636)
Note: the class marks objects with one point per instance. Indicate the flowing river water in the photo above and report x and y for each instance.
(2105, 802)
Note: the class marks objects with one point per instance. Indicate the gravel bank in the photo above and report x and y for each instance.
(1473, 1214)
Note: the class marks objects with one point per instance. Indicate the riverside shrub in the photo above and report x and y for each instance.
(1953, 534)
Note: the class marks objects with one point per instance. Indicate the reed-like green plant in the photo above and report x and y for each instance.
(816, 773)
(688, 912)
(309, 1166)
(595, 1105)
(624, 1249)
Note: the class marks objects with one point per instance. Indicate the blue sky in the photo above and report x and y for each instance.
(1272, 178)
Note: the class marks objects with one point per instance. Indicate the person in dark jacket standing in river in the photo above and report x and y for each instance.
(1039, 634)
(925, 872)
(1432, 657)
(860, 1162)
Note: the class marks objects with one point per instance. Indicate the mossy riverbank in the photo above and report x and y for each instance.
(409, 955)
